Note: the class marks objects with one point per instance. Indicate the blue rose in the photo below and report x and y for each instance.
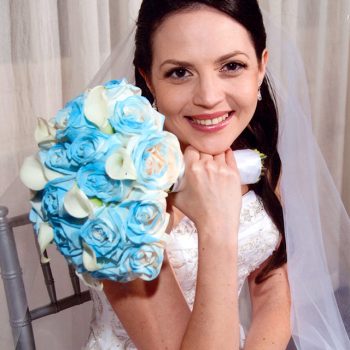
(67, 240)
(135, 115)
(157, 158)
(147, 219)
(142, 261)
(105, 234)
(94, 182)
(112, 84)
(53, 196)
(119, 90)
(58, 159)
(71, 122)
(88, 147)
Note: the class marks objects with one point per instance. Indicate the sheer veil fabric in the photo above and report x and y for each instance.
(316, 222)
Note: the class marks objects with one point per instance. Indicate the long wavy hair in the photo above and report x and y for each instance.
(262, 131)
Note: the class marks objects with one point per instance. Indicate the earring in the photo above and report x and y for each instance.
(154, 104)
(259, 93)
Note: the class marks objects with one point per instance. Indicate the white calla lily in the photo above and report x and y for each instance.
(77, 204)
(32, 174)
(119, 166)
(45, 237)
(96, 107)
(44, 132)
(50, 174)
(89, 259)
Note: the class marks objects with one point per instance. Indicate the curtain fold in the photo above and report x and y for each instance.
(51, 49)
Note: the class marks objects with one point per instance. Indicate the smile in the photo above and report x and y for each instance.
(214, 121)
(210, 122)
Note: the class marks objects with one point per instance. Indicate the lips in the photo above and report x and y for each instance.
(210, 122)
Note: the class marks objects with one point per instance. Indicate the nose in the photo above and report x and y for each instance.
(208, 91)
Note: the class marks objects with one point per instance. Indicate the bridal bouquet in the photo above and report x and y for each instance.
(100, 181)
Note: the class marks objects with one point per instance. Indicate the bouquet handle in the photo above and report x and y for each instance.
(249, 164)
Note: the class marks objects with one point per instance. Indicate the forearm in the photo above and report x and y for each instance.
(270, 329)
(214, 322)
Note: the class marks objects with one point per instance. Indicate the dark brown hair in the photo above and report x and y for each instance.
(262, 131)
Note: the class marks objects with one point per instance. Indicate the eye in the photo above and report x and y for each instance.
(233, 67)
(178, 73)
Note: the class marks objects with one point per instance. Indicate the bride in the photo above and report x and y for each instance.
(203, 64)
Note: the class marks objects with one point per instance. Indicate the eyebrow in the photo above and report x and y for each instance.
(219, 60)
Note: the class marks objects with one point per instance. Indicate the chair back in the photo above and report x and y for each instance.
(20, 316)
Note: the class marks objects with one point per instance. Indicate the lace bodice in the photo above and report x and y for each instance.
(257, 239)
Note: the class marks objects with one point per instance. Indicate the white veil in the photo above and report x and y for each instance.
(316, 224)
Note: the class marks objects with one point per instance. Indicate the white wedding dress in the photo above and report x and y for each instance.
(257, 239)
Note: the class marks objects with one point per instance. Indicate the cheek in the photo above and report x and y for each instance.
(171, 101)
(247, 96)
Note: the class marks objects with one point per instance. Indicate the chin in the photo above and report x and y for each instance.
(212, 149)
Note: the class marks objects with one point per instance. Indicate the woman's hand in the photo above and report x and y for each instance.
(211, 194)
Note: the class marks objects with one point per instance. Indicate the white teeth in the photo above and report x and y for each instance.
(207, 122)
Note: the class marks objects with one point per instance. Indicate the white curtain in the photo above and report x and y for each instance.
(50, 50)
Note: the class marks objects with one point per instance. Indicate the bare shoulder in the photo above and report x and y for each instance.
(154, 313)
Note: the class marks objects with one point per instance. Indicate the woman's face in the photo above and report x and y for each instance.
(205, 77)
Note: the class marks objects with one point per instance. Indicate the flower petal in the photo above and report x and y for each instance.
(50, 174)
(45, 237)
(89, 259)
(96, 107)
(119, 166)
(44, 131)
(32, 174)
(77, 204)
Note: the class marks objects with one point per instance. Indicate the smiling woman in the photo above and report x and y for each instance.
(201, 72)
(204, 65)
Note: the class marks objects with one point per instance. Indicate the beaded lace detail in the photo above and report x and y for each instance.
(257, 239)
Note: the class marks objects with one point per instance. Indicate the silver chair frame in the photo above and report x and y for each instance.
(11, 273)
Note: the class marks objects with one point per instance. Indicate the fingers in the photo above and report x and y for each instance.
(220, 158)
(230, 159)
(191, 155)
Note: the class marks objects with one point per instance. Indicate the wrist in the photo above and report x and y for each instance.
(219, 237)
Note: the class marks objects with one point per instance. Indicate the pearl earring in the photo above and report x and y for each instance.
(154, 104)
(259, 93)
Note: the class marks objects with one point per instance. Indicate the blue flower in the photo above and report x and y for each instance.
(135, 116)
(94, 182)
(88, 147)
(71, 122)
(67, 240)
(142, 261)
(105, 234)
(157, 158)
(58, 159)
(112, 84)
(53, 195)
(147, 219)
(119, 90)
